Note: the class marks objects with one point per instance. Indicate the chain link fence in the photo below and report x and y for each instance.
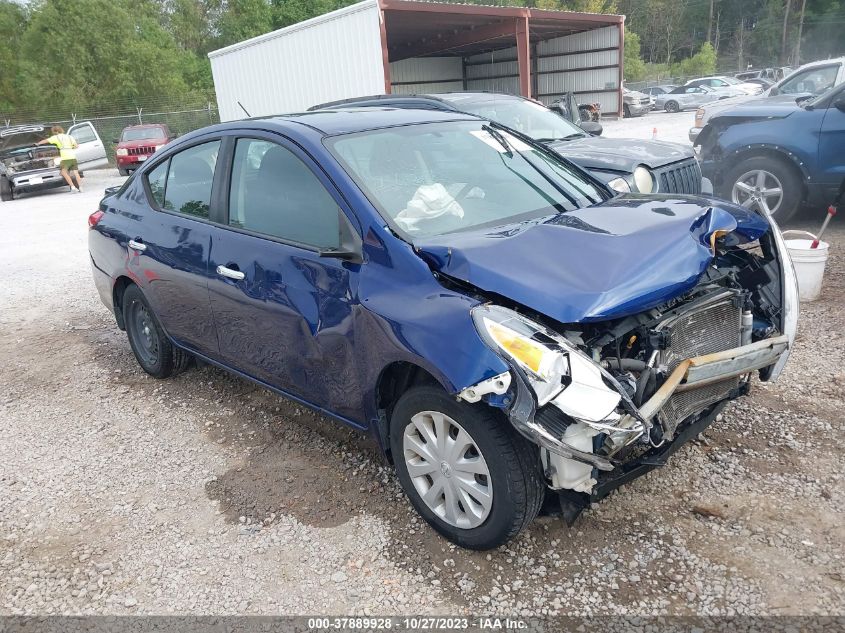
(109, 120)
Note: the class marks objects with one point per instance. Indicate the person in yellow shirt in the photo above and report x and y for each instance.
(67, 155)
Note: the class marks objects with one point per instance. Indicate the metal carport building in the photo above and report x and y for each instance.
(405, 46)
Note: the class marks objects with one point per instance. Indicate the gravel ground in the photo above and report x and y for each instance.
(670, 127)
(206, 495)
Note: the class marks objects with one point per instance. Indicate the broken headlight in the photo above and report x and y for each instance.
(540, 353)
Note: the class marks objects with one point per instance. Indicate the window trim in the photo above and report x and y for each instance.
(299, 152)
(149, 167)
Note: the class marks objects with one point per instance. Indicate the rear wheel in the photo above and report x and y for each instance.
(765, 184)
(6, 193)
(470, 475)
(672, 106)
(153, 350)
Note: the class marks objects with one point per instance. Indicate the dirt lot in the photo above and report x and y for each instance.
(204, 494)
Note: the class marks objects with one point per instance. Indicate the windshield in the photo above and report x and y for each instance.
(142, 134)
(532, 119)
(439, 178)
(731, 80)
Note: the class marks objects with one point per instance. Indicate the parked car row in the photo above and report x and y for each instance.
(442, 272)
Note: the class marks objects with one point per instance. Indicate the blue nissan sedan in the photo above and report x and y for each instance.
(511, 333)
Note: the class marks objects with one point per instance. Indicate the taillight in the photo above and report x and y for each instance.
(94, 218)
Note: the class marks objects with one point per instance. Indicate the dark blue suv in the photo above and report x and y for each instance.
(506, 328)
(774, 154)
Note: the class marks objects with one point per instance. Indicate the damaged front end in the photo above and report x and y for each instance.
(608, 401)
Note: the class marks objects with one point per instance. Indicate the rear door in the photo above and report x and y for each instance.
(91, 153)
(283, 312)
(168, 245)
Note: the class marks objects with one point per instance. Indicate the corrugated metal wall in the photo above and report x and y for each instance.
(563, 66)
(426, 75)
(494, 72)
(334, 56)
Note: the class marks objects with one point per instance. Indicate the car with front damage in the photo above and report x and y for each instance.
(625, 165)
(774, 155)
(506, 328)
(26, 166)
(809, 81)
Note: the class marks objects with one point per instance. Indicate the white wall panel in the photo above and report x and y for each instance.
(578, 81)
(605, 37)
(426, 69)
(334, 56)
(578, 61)
(505, 85)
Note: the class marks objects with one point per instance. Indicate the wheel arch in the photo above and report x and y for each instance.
(118, 289)
(394, 380)
(767, 150)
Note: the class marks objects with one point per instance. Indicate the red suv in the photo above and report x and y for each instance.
(137, 143)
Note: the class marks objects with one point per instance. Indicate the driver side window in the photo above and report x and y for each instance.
(274, 193)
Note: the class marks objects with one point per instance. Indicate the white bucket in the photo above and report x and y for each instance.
(809, 264)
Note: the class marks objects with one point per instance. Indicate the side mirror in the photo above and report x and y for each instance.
(773, 91)
(594, 128)
(839, 104)
(350, 248)
(115, 141)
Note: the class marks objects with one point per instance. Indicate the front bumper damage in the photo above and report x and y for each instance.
(595, 404)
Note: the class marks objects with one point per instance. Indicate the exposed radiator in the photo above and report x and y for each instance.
(705, 328)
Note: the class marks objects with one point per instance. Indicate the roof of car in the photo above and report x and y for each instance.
(442, 97)
(352, 119)
(144, 126)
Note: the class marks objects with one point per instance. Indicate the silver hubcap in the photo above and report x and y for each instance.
(447, 469)
(760, 190)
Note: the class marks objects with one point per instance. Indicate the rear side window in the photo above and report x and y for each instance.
(183, 184)
(157, 179)
(274, 193)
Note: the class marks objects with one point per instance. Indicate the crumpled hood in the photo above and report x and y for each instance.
(769, 107)
(611, 260)
(620, 154)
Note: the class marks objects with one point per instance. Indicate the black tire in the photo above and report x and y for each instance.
(514, 465)
(790, 180)
(672, 107)
(122, 171)
(6, 193)
(153, 350)
(626, 112)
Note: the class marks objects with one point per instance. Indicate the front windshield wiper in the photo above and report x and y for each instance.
(568, 137)
(499, 137)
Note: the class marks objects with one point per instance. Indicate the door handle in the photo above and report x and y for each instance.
(229, 273)
(136, 245)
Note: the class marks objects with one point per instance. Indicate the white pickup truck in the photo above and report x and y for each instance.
(810, 79)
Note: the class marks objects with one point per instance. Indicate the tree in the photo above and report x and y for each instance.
(634, 67)
(12, 23)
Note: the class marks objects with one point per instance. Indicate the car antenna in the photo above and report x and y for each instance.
(244, 109)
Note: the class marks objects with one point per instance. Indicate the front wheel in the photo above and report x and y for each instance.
(467, 472)
(626, 112)
(153, 350)
(672, 107)
(766, 184)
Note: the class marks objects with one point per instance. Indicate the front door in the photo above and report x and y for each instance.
(90, 152)
(832, 146)
(284, 313)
